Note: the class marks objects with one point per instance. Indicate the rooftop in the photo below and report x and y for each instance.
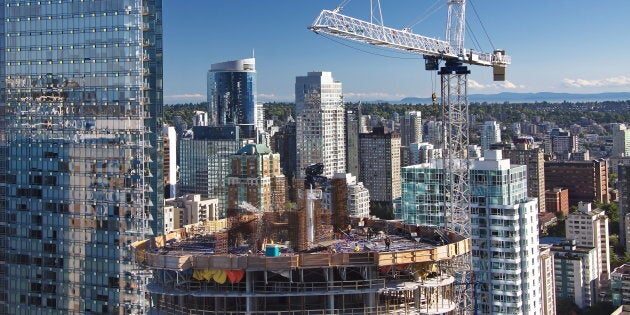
(623, 270)
(364, 243)
(254, 149)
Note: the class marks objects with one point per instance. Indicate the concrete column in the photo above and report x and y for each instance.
(331, 296)
(249, 289)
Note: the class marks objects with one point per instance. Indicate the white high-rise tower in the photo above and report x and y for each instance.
(503, 223)
(490, 133)
(320, 123)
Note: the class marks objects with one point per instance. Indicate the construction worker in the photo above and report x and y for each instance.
(388, 242)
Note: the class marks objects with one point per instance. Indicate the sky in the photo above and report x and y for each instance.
(573, 46)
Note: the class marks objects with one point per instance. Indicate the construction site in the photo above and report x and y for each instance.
(265, 263)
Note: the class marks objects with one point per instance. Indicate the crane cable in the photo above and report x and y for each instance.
(472, 34)
(362, 50)
(426, 14)
(342, 4)
(433, 79)
(480, 22)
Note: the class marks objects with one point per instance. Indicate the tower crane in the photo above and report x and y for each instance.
(451, 60)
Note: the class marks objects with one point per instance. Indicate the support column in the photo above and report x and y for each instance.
(249, 289)
(331, 296)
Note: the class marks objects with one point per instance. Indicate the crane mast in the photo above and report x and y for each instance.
(454, 102)
(455, 24)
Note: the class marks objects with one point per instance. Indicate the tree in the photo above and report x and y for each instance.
(557, 230)
(618, 260)
(381, 211)
(612, 212)
(566, 306)
(612, 179)
(613, 239)
(599, 308)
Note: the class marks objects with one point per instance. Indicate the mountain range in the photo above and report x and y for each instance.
(526, 98)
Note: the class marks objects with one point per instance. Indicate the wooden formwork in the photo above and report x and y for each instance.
(219, 262)
(339, 204)
(315, 260)
(221, 242)
(172, 262)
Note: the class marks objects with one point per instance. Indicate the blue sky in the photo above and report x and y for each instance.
(575, 46)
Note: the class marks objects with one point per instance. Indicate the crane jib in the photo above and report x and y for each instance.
(339, 25)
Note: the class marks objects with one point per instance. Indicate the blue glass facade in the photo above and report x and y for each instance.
(204, 161)
(232, 92)
(80, 152)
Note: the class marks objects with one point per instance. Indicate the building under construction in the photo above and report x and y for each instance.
(264, 263)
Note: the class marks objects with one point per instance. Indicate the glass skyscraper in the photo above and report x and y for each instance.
(232, 92)
(204, 159)
(80, 152)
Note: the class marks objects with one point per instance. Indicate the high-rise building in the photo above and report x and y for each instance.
(80, 168)
(557, 200)
(256, 178)
(353, 129)
(621, 140)
(474, 151)
(379, 156)
(583, 155)
(188, 209)
(435, 133)
(490, 133)
(200, 118)
(589, 227)
(320, 123)
(535, 162)
(410, 128)
(418, 153)
(503, 222)
(170, 161)
(586, 181)
(619, 284)
(516, 128)
(561, 143)
(623, 183)
(344, 197)
(259, 117)
(575, 271)
(283, 142)
(232, 92)
(547, 280)
(205, 160)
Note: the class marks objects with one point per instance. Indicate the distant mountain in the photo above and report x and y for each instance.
(530, 98)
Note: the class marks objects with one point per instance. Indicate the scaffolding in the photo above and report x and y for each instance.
(354, 274)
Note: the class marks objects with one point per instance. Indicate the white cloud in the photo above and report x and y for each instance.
(496, 86)
(179, 96)
(270, 97)
(475, 85)
(612, 81)
(508, 85)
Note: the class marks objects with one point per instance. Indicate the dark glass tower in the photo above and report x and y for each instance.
(232, 92)
(80, 152)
